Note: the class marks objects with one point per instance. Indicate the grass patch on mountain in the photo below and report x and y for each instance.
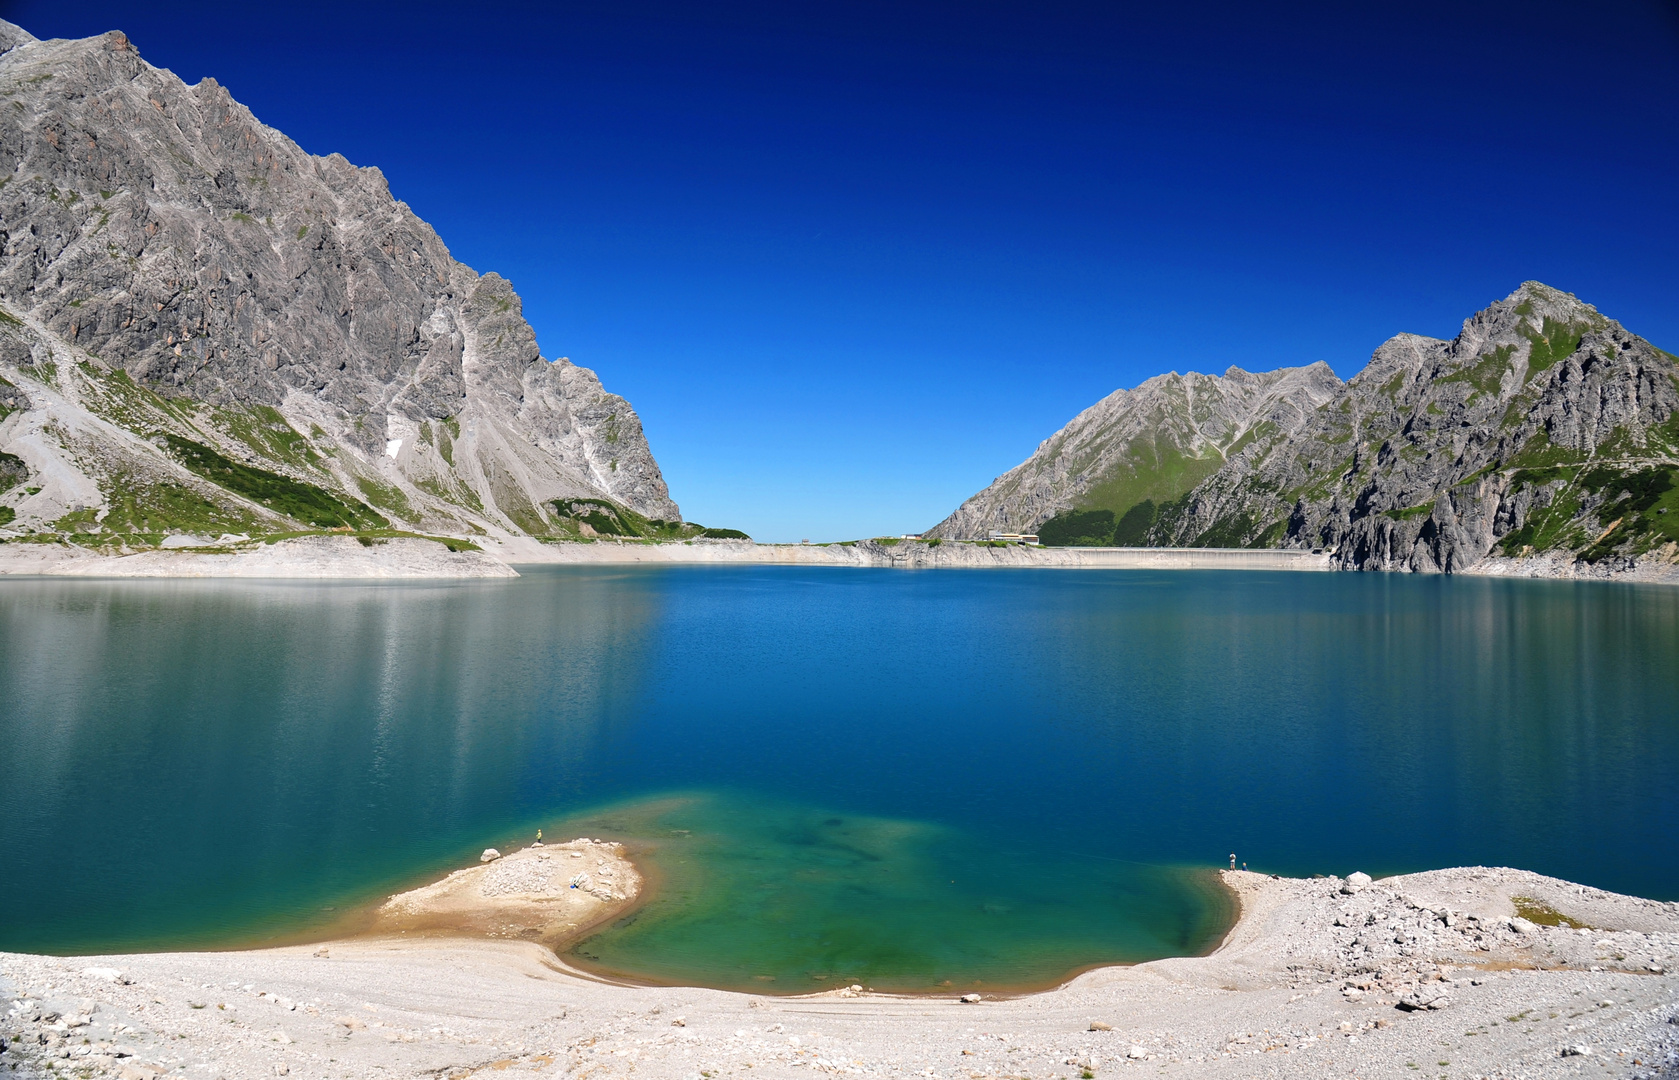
(1262, 430)
(1553, 524)
(1552, 342)
(608, 519)
(1132, 528)
(144, 512)
(372, 537)
(1238, 530)
(1270, 536)
(1410, 513)
(1151, 473)
(1078, 528)
(387, 497)
(451, 489)
(268, 434)
(1644, 504)
(1540, 452)
(1486, 374)
(281, 494)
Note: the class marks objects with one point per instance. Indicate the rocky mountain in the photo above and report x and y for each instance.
(1543, 428)
(206, 330)
(1116, 462)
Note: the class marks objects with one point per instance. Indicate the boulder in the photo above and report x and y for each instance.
(970, 999)
(1356, 882)
(490, 855)
(1425, 997)
(108, 974)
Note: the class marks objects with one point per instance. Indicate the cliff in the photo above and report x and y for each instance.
(1544, 431)
(206, 330)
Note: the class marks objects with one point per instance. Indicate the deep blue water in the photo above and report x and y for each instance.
(195, 762)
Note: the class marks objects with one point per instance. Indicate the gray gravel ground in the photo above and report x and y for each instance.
(1426, 975)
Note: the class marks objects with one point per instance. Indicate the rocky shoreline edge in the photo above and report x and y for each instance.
(1468, 972)
(328, 557)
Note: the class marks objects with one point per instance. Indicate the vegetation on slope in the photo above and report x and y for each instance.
(281, 494)
(589, 517)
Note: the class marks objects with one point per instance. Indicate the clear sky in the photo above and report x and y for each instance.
(852, 260)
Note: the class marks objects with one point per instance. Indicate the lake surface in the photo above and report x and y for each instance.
(897, 778)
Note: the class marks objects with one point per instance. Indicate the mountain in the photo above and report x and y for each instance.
(206, 330)
(1135, 450)
(1543, 427)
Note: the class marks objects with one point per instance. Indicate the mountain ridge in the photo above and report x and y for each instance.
(1543, 427)
(1152, 442)
(174, 272)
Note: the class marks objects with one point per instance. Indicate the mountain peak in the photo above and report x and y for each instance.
(269, 308)
(12, 35)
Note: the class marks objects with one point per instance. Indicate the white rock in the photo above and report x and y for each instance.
(1577, 1050)
(1356, 881)
(970, 999)
(1522, 926)
(108, 974)
(490, 855)
(1137, 1053)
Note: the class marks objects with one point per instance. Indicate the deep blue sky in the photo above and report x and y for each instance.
(850, 261)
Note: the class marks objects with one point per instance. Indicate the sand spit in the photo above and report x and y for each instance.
(546, 893)
(321, 557)
(1436, 974)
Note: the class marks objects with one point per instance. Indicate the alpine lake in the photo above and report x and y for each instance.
(908, 780)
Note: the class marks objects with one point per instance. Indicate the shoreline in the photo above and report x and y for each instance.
(413, 557)
(1316, 977)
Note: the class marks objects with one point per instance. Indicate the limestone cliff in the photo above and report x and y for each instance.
(1542, 427)
(205, 329)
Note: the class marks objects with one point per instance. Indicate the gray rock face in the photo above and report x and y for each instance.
(1151, 443)
(158, 233)
(1543, 428)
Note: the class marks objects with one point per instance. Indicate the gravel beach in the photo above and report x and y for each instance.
(1451, 973)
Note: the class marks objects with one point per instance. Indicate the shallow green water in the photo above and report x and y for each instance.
(783, 898)
(1026, 768)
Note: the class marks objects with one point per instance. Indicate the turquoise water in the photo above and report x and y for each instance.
(884, 776)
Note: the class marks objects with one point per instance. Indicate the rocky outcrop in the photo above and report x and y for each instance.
(1144, 446)
(173, 271)
(1544, 429)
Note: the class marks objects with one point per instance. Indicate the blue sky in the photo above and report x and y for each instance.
(850, 261)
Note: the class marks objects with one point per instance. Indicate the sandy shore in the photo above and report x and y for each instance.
(551, 894)
(1433, 974)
